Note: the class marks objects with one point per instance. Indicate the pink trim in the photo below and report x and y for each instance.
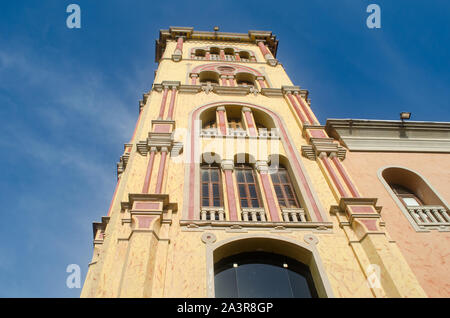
(263, 48)
(297, 110)
(207, 56)
(172, 103)
(148, 174)
(334, 177)
(273, 210)
(238, 58)
(144, 221)
(231, 82)
(305, 109)
(162, 128)
(231, 198)
(317, 133)
(163, 103)
(222, 122)
(346, 177)
(162, 164)
(370, 224)
(222, 54)
(179, 44)
(147, 205)
(261, 83)
(224, 81)
(251, 125)
(290, 150)
(361, 209)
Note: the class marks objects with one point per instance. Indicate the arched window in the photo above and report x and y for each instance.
(200, 53)
(418, 201)
(210, 125)
(211, 192)
(284, 189)
(209, 77)
(245, 79)
(245, 56)
(262, 274)
(249, 194)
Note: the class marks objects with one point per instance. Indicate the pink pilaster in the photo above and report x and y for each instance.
(148, 175)
(222, 54)
(346, 177)
(261, 83)
(238, 58)
(172, 103)
(297, 110)
(334, 177)
(163, 103)
(305, 109)
(231, 196)
(250, 122)
(162, 164)
(222, 120)
(268, 193)
(179, 48)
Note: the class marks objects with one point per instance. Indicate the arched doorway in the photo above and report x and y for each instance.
(262, 275)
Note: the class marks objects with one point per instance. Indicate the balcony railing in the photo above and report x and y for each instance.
(212, 213)
(253, 215)
(429, 215)
(264, 133)
(293, 215)
(209, 132)
(237, 132)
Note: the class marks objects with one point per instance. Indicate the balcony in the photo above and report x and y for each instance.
(430, 216)
(253, 215)
(212, 213)
(293, 215)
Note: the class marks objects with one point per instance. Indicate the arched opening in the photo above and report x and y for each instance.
(214, 53)
(209, 77)
(262, 275)
(229, 54)
(244, 55)
(200, 53)
(245, 79)
(264, 265)
(418, 201)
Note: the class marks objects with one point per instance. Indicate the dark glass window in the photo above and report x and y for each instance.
(211, 192)
(284, 189)
(249, 195)
(262, 275)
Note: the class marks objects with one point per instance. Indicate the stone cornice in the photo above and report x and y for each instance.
(390, 136)
(188, 33)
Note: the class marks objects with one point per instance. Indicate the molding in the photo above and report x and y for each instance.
(190, 34)
(231, 90)
(390, 136)
(272, 92)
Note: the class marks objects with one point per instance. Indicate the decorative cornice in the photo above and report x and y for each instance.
(190, 34)
(390, 136)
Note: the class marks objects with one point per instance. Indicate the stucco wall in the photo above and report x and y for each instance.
(428, 253)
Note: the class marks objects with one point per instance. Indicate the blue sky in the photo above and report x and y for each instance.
(69, 100)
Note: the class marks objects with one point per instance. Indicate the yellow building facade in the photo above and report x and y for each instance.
(228, 166)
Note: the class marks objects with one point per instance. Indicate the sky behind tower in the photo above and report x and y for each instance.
(69, 100)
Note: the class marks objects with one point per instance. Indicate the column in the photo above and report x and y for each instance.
(178, 53)
(161, 170)
(238, 58)
(263, 170)
(334, 178)
(260, 80)
(266, 53)
(248, 115)
(148, 175)
(207, 55)
(231, 80)
(163, 102)
(194, 79)
(172, 103)
(351, 186)
(305, 108)
(222, 54)
(222, 120)
(228, 167)
(224, 80)
(297, 110)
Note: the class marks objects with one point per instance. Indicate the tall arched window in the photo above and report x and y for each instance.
(262, 274)
(249, 194)
(283, 188)
(211, 193)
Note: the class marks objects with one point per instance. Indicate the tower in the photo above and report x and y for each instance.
(229, 171)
